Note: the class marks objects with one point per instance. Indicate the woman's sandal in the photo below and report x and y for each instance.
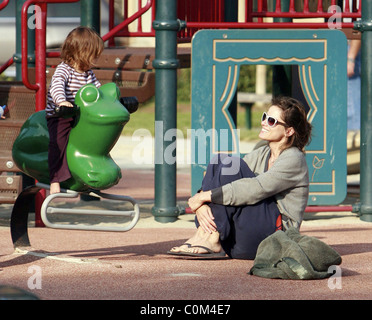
(210, 254)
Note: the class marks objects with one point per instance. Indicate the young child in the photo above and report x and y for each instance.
(80, 50)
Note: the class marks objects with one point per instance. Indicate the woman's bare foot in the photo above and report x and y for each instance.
(199, 242)
(186, 245)
(55, 188)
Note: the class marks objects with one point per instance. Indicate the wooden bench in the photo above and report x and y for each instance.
(130, 68)
(20, 104)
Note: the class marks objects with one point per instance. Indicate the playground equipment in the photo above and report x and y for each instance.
(178, 21)
(319, 55)
(99, 120)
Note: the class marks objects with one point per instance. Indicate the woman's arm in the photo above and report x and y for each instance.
(354, 48)
(289, 171)
(199, 199)
(203, 212)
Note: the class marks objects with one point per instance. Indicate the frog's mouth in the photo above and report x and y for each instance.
(112, 119)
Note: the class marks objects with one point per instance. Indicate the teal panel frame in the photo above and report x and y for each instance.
(321, 57)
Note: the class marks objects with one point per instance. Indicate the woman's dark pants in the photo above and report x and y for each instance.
(241, 228)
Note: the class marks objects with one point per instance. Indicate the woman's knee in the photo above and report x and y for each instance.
(243, 254)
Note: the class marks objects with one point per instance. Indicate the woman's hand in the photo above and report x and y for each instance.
(206, 219)
(203, 211)
(199, 199)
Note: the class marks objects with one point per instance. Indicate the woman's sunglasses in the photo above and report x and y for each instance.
(271, 121)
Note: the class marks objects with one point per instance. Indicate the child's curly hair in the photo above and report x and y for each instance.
(81, 47)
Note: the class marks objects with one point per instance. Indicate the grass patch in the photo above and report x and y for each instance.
(144, 118)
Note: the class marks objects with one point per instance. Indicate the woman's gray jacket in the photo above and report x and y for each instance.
(287, 180)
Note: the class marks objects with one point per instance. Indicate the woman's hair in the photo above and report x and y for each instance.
(81, 47)
(294, 115)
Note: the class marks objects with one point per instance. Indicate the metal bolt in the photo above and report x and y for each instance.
(9, 164)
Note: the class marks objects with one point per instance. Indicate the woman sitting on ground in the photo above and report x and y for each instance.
(237, 209)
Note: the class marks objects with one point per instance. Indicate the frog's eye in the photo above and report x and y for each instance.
(89, 94)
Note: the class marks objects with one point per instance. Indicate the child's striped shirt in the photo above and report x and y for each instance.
(66, 82)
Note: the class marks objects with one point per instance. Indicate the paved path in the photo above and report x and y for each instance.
(86, 265)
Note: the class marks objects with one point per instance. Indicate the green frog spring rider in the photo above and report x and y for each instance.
(100, 117)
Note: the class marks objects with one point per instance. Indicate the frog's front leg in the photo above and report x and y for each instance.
(97, 172)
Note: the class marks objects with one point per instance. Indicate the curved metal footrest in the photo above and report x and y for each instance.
(21, 208)
(46, 209)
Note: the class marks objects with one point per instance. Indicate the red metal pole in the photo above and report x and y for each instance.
(40, 56)
(40, 99)
(6, 65)
(25, 40)
(320, 6)
(40, 67)
(25, 47)
(257, 25)
(111, 21)
(125, 23)
(4, 4)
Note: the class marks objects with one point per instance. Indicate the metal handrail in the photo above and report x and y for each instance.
(6, 65)
(40, 50)
(3, 4)
(254, 19)
(199, 21)
(119, 29)
(115, 31)
(260, 13)
(259, 25)
(41, 45)
(128, 21)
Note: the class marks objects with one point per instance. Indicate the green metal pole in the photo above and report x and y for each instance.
(365, 26)
(165, 64)
(31, 42)
(248, 114)
(90, 14)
